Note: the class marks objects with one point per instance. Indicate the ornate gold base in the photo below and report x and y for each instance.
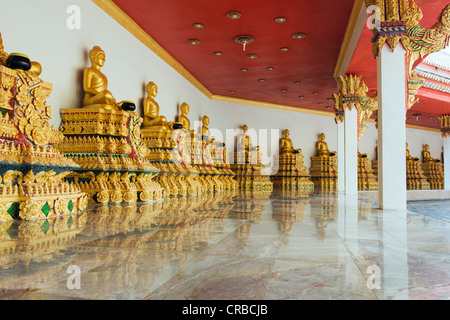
(249, 177)
(291, 173)
(367, 180)
(323, 173)
(415, 179)
(106, 144)
(434, 171)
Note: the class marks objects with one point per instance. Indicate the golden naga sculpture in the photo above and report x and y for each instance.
(395, 18)
(433, 169)
(291, 174)
(151, 108)
(247, 165)
(32, 184)
(323, 168)
(415, 177)
(104, 138)
(421, 41)
(353, 93)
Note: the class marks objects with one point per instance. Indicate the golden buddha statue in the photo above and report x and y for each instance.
(408, 155)
(427, 155)
(244, 140)
(3, 54)
(151, 108)
(205, 130)
(183, 119)
(286, 146)
(95, 83)
(322, 147)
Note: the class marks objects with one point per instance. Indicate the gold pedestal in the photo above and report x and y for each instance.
(107, 146)
(291, 173)
(32, 185)
(323, 173)
(179, 156)
(415, 178)
(367, 180)
(434, 171)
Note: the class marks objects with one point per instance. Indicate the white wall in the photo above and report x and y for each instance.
(40, 31)
(415, 138)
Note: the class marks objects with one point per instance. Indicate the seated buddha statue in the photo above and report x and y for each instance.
(427, 155)
(322, 147)
(151, 108)
(3, 54)
(183, 119)
(408, 155)
(244, 140)
(95, 83)
(286, 146)
(205, 130)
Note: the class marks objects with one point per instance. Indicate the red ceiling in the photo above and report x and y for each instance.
(364, 63)
(310, 60)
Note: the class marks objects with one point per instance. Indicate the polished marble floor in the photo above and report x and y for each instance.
(255, 246)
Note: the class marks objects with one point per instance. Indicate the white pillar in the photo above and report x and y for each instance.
(447, 163)
(351, 151)
(391, 128)
(341, 156)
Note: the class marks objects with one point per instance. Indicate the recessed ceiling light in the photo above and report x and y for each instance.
(330, 99)
(315, 93)
(234, 15)
(298, 35)
(193, 41)
(328, 107)
(244, 69)
(320, 103)
(297, 82)
(280, 19)
(270, 68)
(284, 49)
(232, 91)
(198, 25)
(262, 80)
(252, 56)
(283, 90)
(301, 97)
(217, 53)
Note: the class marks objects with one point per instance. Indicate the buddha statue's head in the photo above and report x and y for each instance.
(244, 128)
(322, 136)
(184, 108)
(97, 56)
(205, 120)
(152, 89)
(426, 147)
(286, 133)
